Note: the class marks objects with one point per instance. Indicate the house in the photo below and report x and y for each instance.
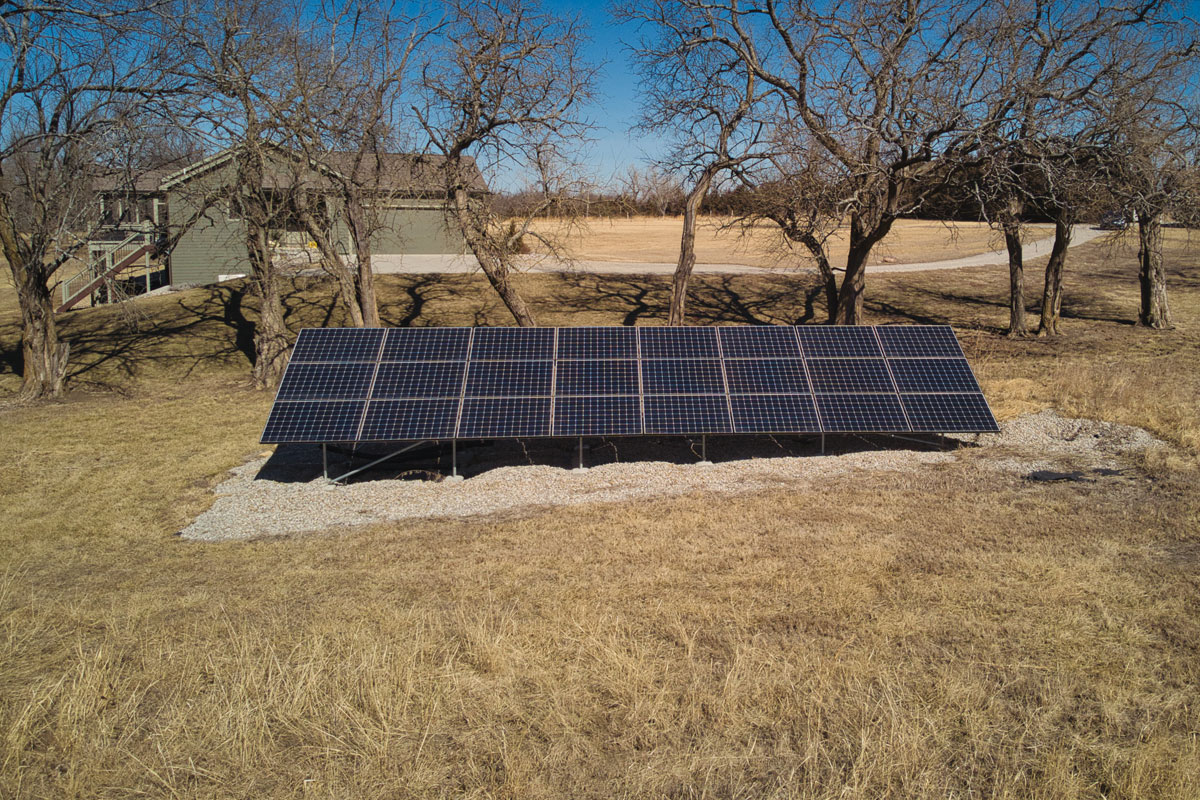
(179, 227)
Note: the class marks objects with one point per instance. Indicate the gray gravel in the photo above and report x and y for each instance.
(284, 492)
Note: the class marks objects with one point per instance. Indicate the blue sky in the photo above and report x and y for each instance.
(616, 106)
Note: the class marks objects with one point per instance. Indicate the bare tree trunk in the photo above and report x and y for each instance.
(1154, 312)
(345, 277)
(491, 259)
(44, 356)
(360, 235)
(850, 296)
(862, 240)
(687, 248)
(1052, 292)
(825, 269)
(270, 335)
(1016, 277)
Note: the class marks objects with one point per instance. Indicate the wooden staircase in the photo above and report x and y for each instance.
(104, 270)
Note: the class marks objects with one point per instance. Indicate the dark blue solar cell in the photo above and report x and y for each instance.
(419, 379)
(678, 342)
(919, 340)
(682, 376)
(949, 413)
(774, 413)
(308, 381)
(509, 378)
(833, 375)
(504, 417)
(512, 343)
(597, 416)
(426, 344)
(778, 375)
(408, 420)
(338, 344)
(597, 343)
(860, 413)
(597, 377)
(933, 375)
(838, 341)
(318, 421)
(683, 414)
(759, 341)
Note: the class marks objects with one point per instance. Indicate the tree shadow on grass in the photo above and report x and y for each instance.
(712, 299)
(12, 357)
(1076, 305)
(213, 327)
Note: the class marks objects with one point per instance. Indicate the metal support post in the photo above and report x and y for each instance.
(380, 460)
(324, 461)
(454, 458)
(822, 443)
(581, 452)
(703, 447)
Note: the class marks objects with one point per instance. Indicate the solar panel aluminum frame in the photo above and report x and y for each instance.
(907, 347)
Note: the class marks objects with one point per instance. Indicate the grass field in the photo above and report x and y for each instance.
(949, 633)
(656, 239)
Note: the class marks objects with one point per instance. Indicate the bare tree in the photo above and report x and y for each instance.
(74, 76)
(702, 98)
(505, 86)
(243, 89)
(886, 89)
(348, 124)
(1055, 66)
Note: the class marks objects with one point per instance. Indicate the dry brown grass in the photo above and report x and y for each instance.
(656, 239)
(952, 633)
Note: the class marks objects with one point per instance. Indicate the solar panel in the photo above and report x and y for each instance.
(400, 379)
(401, 384)
(759, 341)
(594, 343)
(338, 344)
(774, 413)
(426, 344)
(771, 375)
(315, 421)
(403, 420)
(919, 340)
(504, 417)
(597, 416)
(512, 343)
(509, 378)
(838, 342)
(687, 414)
(933, 375)
(849, 375)
(682, 376)
(861, 413)
(949, 413)
(679, 342)
(326, 381)
(597, 377)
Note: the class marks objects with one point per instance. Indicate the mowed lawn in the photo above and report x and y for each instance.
(724, 241)
(953, 632)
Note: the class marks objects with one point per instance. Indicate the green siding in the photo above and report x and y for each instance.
(215, 245)
(417, 231)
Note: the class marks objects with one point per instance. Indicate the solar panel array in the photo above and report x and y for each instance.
(404, 384)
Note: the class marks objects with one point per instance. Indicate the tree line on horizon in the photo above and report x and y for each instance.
(803, 116)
